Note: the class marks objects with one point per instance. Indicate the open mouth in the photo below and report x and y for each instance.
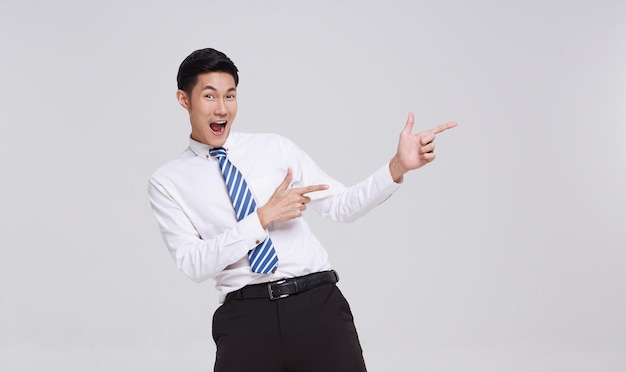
(217, 127)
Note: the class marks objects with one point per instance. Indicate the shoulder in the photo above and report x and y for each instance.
(174, 166)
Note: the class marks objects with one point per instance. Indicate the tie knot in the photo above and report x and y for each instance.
(218, 152)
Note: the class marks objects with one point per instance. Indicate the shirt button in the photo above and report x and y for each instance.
(207, 156)
(258, 242)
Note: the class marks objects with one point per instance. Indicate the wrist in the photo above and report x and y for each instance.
(396, 169)
(263, 218)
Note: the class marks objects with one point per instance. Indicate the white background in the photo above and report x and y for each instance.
(505, 254)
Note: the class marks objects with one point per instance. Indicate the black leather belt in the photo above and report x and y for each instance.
(284, 287)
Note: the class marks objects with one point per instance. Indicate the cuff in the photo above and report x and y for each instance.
(251, 230)
(384, 182)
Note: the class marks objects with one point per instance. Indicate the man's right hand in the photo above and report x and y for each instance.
(286, 204)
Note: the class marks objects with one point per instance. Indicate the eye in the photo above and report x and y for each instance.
(230, 97)
(209, 96)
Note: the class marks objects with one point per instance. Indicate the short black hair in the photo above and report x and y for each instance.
(200, 61)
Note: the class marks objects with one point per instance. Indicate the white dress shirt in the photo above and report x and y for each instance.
(196, 217)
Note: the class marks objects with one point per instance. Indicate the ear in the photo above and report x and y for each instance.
(183, 99)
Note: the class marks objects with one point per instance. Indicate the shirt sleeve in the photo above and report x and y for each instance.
(341, 203)
(198, 258)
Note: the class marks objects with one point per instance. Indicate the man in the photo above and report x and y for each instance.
(229, 208)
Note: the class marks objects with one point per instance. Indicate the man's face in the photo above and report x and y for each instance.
(212, 107)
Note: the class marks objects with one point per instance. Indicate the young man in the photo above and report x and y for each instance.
(229, 208)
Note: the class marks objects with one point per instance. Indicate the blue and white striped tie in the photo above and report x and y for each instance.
(263, 258)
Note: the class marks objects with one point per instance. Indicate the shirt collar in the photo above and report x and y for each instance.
(202, 150)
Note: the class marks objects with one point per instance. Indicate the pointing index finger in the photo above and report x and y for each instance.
(442, 127)
(312, 188)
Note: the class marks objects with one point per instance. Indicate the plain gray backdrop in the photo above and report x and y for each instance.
(505, 254)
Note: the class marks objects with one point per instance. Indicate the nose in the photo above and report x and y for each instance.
(220, 107)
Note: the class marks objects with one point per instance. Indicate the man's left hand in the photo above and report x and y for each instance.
(415, 150)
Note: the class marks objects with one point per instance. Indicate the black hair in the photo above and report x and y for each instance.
(200, 61)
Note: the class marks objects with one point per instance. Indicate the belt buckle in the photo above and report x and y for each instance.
(270, 291)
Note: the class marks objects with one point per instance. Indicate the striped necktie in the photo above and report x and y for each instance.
(263, 258)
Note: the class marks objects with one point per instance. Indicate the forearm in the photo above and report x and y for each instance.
(201, 259)
(346, 204)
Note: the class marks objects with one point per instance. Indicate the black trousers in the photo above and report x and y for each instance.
(312, 331)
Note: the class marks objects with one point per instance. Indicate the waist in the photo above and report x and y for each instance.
(284, 287)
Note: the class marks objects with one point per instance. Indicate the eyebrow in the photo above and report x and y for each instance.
(209, 87)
